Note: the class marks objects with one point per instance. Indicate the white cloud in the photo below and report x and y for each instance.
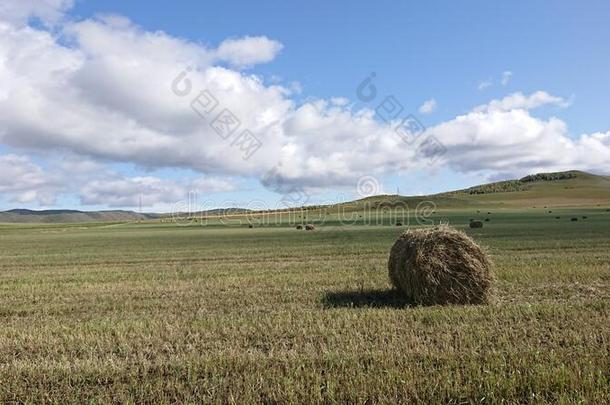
(147, 190)
(506, 76)
(24, 181)
(484, 85)
(111, 97)
(503, 139)
(248, 51)
(520, 101)
(428, 106)
(20, 11)
(108, 96)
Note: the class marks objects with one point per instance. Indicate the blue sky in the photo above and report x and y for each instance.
(461, 55)
(419, 50)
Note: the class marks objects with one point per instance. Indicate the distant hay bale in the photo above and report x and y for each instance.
(550, 212)
(557, 217)
(476, 224)
(574, 219)
(299, 227)
(440, 265)
(309, 227)
(487, 219)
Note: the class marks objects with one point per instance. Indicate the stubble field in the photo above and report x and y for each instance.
(150, 312)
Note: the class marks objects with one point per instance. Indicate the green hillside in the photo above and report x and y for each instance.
(70, 216)
(561, 189)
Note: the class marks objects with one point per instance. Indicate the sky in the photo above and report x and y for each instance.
(187, 105)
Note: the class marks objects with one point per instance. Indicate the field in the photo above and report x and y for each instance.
(160, 313)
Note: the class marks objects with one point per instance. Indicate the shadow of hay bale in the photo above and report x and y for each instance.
(366, 298)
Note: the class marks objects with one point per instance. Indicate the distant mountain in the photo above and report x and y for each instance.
(569, 189)
(67, 216)
(75, 216)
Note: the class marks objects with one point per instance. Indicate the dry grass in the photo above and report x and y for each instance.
(164, 314)
(440, 265)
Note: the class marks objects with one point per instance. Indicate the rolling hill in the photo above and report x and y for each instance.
(560, 189)
(69, 216)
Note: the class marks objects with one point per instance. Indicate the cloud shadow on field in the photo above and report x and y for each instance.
(378, 298)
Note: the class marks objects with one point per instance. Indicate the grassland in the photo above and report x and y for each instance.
(133, 313)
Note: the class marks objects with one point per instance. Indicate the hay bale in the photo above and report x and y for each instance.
(476, 224)
(309, 227)
(299, 227)
(487, 219)
(440, 265)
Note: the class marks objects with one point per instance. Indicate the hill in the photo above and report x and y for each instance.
(560, 189)
(571, 188)
(69, 216)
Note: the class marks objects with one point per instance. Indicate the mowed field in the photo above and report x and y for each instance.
(160, 313)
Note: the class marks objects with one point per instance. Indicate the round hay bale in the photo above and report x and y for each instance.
(309, 227)
(299, 227)
(476, 224)
(440, 265)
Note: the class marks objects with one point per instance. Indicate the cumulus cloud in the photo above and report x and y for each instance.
(23, 181)
(504, 139)
(147, 191)
(248, 51)
(21, 11)
(428, 106)
(521, 101)
(107, 90)
(111, 97)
